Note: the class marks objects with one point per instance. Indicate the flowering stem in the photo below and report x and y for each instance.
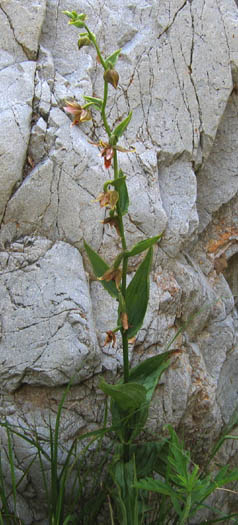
(94, 41)
(124, 274)
(107, 128)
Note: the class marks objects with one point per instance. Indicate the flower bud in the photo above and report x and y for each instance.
(111, 76)
(84, 41)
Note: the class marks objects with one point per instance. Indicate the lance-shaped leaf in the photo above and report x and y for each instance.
(119, 130)
(128, 397)
(123, 193)
(112, 59)
(143, 245)
(96, 102)
(149, 371)
(100, 267)
(137, 295)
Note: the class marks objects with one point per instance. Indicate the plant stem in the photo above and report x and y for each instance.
(107, 128)
(124, 274)
(125, 355)
(94, 41)
(186, 510)
(126, 447)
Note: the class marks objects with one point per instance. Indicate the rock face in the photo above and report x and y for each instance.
(179, 75)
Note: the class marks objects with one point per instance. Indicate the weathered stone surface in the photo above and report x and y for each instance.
(25, 20)
(218, 179)
(179, 75)
(16, 94)
(46, 316)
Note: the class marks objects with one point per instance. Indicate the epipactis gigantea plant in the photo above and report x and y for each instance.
(131, 397)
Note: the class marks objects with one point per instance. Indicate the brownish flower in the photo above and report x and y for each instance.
(112, 274)
(113, 221)
(111, 337)
(107, 154)
(108, 151)
(108, 198)
(80, 114)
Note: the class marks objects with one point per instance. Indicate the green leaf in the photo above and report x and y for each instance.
(154, 486)
(112, 59)
(232, 423)
(143, 245)
(96, 102)
(162, 488)
(123, 193)
(225, 476)
(149, 372)
(127, 396)
(137, 295)
(100, 267)
(119, 130)
(179, 458)
(146, 455)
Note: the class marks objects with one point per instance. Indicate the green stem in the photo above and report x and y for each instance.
(186, 510)
(125, 355)
(107, 128)
(124, 275)
(94, 41)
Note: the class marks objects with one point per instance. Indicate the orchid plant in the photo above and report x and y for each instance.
(130, 398)
(154, 482)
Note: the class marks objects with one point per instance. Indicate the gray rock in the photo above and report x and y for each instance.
(25, 19)
(178, 73)
(213, 188)
(16, 93)
(176, 181)
(46, 317)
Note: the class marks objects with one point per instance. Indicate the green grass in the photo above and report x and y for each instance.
(87, 481)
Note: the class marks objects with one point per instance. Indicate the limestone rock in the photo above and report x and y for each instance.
(16, 93)
(46, 316)
(217, 180)
(178, 72)
(25, 19)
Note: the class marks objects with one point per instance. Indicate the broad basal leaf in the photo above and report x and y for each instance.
(128, 396)
(143, 245)
(149, 372)
(100, 267)
(128, 425)
(137, 295)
